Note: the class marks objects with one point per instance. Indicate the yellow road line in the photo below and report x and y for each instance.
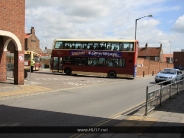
(107, 120)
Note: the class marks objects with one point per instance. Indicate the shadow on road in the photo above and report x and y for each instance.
(17, 116)
(79, 75)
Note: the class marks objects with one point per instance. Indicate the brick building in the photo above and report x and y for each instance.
(32, 43)
(12, 30)
(151, 53)
(168, 58)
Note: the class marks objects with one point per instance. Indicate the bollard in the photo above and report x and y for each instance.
(161, 94)
(152, 73)
(30, 74)
(170, 91)
(143, 73)
(177, 88)
(146, 109)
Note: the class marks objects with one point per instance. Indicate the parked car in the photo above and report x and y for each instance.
(169, 74)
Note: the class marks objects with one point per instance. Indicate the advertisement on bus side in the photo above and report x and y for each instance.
(96, 53)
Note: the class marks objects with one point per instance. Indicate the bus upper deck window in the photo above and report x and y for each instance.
(58, 45)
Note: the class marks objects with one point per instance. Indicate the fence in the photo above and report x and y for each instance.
(157, 96)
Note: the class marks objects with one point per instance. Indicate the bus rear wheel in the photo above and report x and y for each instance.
(68, 71)
(112, 74)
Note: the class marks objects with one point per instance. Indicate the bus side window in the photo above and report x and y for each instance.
(66, 46)
(70, 46)
(58, 44)
(85, 47)
(131, 47)
(61, 46)
(91, 47)
(120, 46)
(126, 47)
(77, 45)
(121, 63)
(103, 48)
(81, 47)
(114, 46)
(73, 46)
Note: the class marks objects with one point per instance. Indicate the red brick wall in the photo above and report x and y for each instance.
(150, 66)
(19, 69)
(12, 19)
(2, 61)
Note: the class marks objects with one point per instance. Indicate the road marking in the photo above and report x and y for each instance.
(49, 90)
(107, 120)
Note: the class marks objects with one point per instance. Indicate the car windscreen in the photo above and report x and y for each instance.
(168, 71)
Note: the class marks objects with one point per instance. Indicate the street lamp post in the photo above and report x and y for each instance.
(136, 23)
(170, 52)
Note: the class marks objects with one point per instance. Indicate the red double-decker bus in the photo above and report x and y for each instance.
(112, 58)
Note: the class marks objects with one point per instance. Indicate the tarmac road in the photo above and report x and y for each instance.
(72, 100)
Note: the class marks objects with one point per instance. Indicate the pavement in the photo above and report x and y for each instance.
(163, 122)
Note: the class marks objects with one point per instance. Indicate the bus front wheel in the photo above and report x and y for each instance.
(68, 71)
(112, 74)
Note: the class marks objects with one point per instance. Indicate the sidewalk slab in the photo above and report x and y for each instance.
(177, 115)
(20, 90)
(167, 135)
(169, 118)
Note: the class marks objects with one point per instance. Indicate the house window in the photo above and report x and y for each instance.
(147, 57)
(33, 40)
(156, 58)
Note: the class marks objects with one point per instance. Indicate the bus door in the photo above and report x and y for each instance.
(60, 64)
(55, 65)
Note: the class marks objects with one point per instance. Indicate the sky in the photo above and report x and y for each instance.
(108, 19)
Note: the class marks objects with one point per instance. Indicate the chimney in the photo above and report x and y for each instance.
(32, 30)
(45, 47)
(146, 45)
(161, 45)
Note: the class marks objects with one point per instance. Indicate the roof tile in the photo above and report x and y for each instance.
(149, 51)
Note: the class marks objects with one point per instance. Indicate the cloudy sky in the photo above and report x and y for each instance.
(104, 19)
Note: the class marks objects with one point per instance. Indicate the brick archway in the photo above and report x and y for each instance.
(18, 65)
(12, 37)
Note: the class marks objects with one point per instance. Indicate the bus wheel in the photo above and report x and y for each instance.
(112, 74)
(68, 71)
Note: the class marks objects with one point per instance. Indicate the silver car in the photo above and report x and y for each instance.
(169, 74)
